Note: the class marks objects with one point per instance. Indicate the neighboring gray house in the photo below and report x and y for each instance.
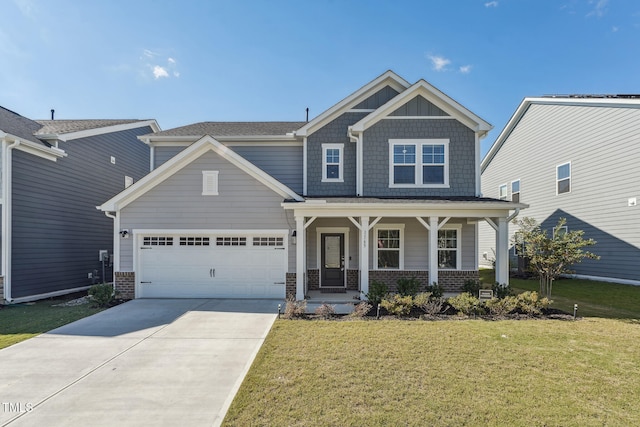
(574, 157)
(384, 184)
(54, 173)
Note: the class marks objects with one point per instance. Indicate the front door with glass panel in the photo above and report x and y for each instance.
(332, 259)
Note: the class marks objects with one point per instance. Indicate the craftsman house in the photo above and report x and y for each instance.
(384, 184)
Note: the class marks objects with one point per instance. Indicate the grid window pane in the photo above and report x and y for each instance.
(333, 155)
(433, 154)
(404, 154)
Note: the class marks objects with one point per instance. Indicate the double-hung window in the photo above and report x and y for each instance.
(449, 248)
(515, 191)
(389, 247)
(563, 178)
(502, 192)
(332, 162)
(418, 163)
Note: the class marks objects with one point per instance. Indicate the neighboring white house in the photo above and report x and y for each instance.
(576, 157)
(385, 184)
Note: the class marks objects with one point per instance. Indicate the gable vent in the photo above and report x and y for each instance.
(209, 183)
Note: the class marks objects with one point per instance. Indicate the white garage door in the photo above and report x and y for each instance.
(210, 266)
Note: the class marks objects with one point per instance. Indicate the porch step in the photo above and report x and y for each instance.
(333, 290)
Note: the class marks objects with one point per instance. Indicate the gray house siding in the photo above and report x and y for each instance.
(284, 163)
(334, 132)
(419, 106)
(462, 172)
(377, 99)
(243, 203)
(162, 154)
(57, 231)
(601, 144)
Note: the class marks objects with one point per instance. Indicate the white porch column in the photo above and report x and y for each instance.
(363, 253)
(301, 244)
(433, 249)
(502, 252)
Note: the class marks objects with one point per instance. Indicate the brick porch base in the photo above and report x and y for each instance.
(125, 284)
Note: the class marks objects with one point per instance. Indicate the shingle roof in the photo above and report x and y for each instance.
(17, 125)
(67, 126)
(233, 129)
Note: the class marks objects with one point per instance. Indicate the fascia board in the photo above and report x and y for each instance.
(388, 78)
(433, 95)
(181, 140)
(460, 209)
(106, 129)
(49, 153)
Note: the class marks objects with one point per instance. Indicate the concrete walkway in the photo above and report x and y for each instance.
(145, 362)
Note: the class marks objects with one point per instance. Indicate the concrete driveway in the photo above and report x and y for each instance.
(145, 362)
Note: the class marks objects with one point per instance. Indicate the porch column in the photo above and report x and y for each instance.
(363, 253)
(433, 249)
(502, 252)
(301, 244)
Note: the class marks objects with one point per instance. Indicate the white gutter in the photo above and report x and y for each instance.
(359, 162)
(6, 216)
(513, 215)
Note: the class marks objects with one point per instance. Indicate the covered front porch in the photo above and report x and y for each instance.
(345, 244)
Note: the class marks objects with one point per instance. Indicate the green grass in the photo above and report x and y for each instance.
(441, 373)
(22, 321)
(595, 299)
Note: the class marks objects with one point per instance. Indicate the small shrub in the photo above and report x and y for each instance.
(377, 291)
(408, 287)
(501, 306)
(295, 309)
(529, 303)
(471, 286)
(101, 295)
(501, 291)
(436, 290)
(326, 311)
(466, 304)
(361, 309)
(398, 305)
(427, 303)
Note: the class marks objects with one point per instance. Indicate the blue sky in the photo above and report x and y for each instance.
(181, 62)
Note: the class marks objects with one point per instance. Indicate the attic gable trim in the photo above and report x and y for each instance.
(389, 78)
(39, 150)
(184, 158)
(511, 124)
(433, 95)
(102, 130)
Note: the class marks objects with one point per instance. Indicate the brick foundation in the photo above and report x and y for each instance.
(313, 280)
(290, 287)
(450, 280)
(453, 280)
(353, 280)
(1, 289)
(125, 284)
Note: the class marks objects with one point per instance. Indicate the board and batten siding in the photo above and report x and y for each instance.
(243, 203)
(57, 231)
(602, 145)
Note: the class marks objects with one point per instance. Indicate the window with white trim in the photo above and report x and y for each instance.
(560, 231)
(332, 162)
(563, 178)
(209, 183)
(515, 191)
(418, 163)
(449, 245)
(502, 192)
(389, 247)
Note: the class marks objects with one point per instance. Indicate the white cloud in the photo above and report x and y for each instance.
(439, 63)
(171, 61)
(465, 69)
(159, 72)
(599, 9)
(491, 4)
(149, 54)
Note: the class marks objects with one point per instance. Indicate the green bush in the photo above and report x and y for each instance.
(501, 291)
(377, 291)
(529, 303)
(501, 306)
(408, 287)
(426, 302)
(436, 290)
(472, 287)
(295, 309)
(466, 304)
(361, 309)
(398, 305)
(102, 295)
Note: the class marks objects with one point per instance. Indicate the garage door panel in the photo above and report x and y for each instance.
(176, 271)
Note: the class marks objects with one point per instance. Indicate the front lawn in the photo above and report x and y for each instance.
(470, 372)
(597, 299)
(22, 321)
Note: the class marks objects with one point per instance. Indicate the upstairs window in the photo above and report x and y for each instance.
(563, 178)
(502, 192)
(515, 191)
(332, 162)
(418, 163)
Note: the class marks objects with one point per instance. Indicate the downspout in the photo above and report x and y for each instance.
(304, 166)
(513, 215)
(358, 140)
(116, 246)
(6, 218)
